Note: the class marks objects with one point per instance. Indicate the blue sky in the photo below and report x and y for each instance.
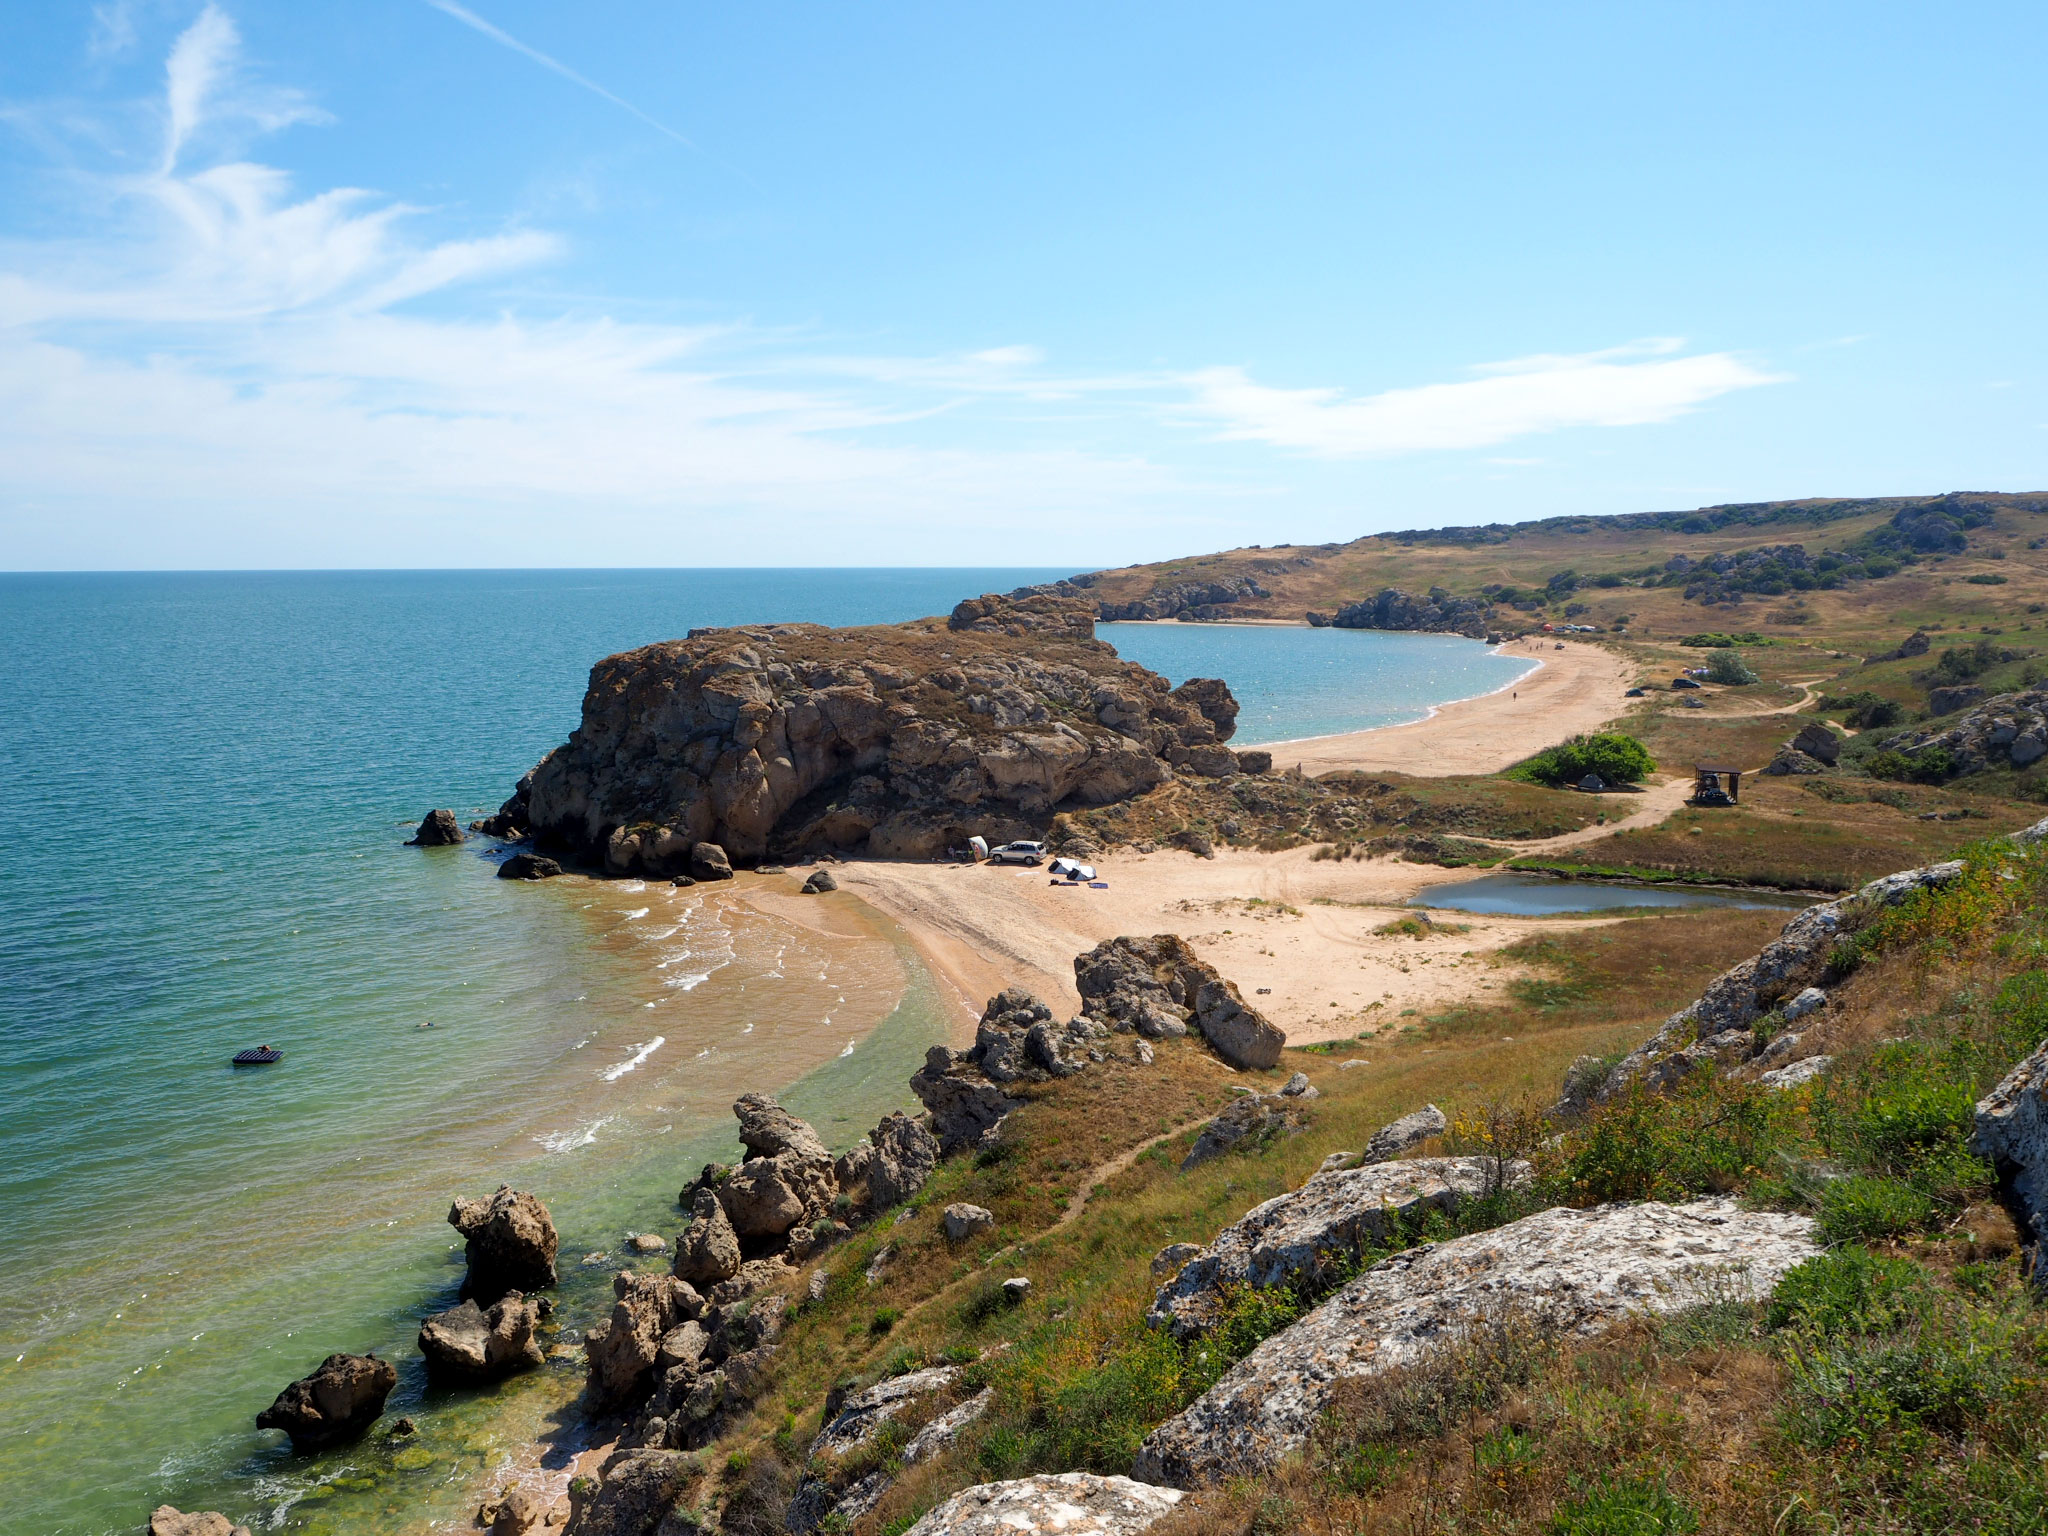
(420, 283)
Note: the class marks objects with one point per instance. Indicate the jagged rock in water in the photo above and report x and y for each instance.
(528, 866)
(1251, 1119)
(1295, 1238)
(1055, 1504)
(1717, 1029)
(510, 821)
(469, 1343)
(1818, 741)
(819, 882)
(511, 1244)
(2012, 1131)
(635, 1492)
(1157, 986)
(1561, 1271)
(903, 740)
(708, 1250)
(438, 829)
(854, 1425)
(903, 1157)
(166, 1521)
(335, 1404)
(523, 1511)
(622, 1349)
(788, 1182)
(1411, 1130)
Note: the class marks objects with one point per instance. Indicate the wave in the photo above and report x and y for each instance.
(582, 1136)
(640, 1054)
(637, 912)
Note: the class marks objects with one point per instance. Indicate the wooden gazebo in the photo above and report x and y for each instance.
(1715, 784)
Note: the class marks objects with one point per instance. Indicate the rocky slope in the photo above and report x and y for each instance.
(900, 740)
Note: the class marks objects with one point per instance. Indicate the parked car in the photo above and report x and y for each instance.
(1018, 853)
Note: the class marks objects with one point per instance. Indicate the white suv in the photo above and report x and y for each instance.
(1018, 853)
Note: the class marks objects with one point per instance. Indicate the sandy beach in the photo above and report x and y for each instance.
(1577, 688)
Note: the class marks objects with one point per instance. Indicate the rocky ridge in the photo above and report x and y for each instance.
(2008, 731)
(900, 740)
(1437, 612)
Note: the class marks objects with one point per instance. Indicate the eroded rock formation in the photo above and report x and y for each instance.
(335, 1404)
(897, 739)
(1391, 608)
(1562, 1271)
(469, 1343)
(2012, 1131)
(1060, 1504)
(438, 829)
(826, 1491)
(1016, 1041)
(1252, 1119)
(167, 1521)
(511, 1244)
(1158, 986)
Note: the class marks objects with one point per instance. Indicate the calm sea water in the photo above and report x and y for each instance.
(207, 780)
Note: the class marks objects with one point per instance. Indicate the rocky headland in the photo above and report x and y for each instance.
(897, 740)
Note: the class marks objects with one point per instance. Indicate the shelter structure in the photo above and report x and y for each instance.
(1715, 784)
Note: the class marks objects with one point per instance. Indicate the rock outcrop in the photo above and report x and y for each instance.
(1252, 1119)
(1058, 1504)
(1398, 1136)
(1718, 1030)
(622, 1350)
(528, 866)
(511, 1244)
(166, 1521)
(789, 1179)
(1017, 1041)
(903, 740)
(819, 882)
(962, 1221)
(1296, 1238)
(2009, 730)
(826, 1492)
(1185, 600)
(1562, 1271)
(903, 1156)
(1817, 740)
(335, 1404)
(637, 1490)
(469, 1343)
(709, 1249)
(438, 829)
(1391, 608)
(1158, 986)
(2012, 1131)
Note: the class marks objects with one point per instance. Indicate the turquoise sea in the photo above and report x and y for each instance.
(208, 779)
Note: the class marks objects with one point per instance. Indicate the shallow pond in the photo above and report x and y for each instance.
(1518, 895)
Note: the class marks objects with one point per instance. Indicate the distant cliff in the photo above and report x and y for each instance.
(900, 740)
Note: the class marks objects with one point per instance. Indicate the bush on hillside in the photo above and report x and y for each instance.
(1729, 669)
(1615, 755)
(1863, 710)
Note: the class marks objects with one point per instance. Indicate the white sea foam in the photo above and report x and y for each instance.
(581, 1136)
(640, 1054)
(633, 887)
(637, 912)
(849, 1048)
(688, 983)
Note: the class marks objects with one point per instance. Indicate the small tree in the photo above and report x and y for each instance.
(1615, 755)
(1728, 668)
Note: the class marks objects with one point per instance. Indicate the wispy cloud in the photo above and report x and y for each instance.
(1636, 385)
(469, 18)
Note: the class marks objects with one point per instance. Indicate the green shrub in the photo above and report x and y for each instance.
(1706, 1136)
(1866, 1206)
(1729, 669)
(1944, 1375)
(1985, 579)
(1623, 1506)
(1615, 755)
(1849, 1291)
(884, 1319)
(2020, 1009)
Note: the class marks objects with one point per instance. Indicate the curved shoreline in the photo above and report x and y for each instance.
(1430, 711)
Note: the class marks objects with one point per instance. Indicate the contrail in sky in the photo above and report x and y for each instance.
(470, 18)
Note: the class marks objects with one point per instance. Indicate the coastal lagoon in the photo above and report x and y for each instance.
(209, 779)
(1525, 895)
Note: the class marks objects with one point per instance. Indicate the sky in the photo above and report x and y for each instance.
(421, 283)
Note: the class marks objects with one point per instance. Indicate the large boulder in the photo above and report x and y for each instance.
(1397, 1137)
(623, 1349)
(904, 1155)
(789, 1181)
(166, 1521)
(1158, 986)
(708, 862)
(1051, 1504)
(903, 740)
(438, 829)
(2012, 1131)
(709, 1249)
(528, 866)
(1718, 1029)
(511, 1243)
(635, 1492)
(965, 1107)
(333, 1405)
(1561, 1271)
(468, 1343)
(1299, 1237)
(1818, 740)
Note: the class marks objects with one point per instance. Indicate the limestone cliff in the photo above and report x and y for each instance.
(898, 740)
